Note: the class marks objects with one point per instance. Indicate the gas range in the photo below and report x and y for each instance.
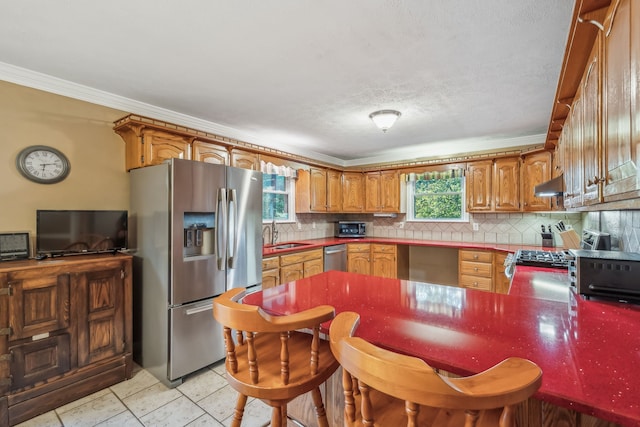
(539, 258)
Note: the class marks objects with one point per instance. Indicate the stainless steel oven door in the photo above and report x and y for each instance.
(195, 338)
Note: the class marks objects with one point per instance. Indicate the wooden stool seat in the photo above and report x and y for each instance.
(274, 358)
(383, 388)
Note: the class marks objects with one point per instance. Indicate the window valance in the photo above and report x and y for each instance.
(431, 175)
(270, 168)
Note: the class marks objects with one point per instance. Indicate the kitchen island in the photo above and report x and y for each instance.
(588, 350)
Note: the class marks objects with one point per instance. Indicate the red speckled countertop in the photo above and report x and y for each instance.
(589, 351)
(327, 241)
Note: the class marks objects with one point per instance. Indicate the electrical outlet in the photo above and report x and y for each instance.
(299, 226)
(313, 225)
(476, 226)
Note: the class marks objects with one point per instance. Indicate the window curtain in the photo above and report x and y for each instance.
(272, 169)
(427, 176)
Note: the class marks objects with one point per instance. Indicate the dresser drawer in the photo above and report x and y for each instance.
(476, 255)
(475, 282)
(270, 263)
(301, 257)
(387, 249)
(476, 269)
(358, 247)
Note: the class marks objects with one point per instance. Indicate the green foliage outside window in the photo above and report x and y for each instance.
(275, 197)
(438, 199)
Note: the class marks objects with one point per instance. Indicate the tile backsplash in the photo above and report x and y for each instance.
(510, 228)
(624, 227)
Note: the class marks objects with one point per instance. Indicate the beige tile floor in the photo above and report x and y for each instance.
(203, 399)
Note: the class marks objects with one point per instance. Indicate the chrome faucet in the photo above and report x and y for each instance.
(273, 233)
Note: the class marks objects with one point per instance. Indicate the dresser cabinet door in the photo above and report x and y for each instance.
(98, 297)
(39, 304)
(39, 360)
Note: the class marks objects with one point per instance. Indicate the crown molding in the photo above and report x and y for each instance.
(47, 83)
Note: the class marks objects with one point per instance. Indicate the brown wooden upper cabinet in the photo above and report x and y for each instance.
(600, 140)
(506, 184)
(147, 147)
(318, 190)
(245, 159)
(382, 191)
(210, 153)
(478, 186)
(621, 100)
(536, 169)
(352, 192)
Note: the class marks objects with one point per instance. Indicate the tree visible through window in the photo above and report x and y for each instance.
(276, 197)
(438, 199)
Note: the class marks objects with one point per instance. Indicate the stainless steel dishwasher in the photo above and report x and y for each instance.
(335, 257)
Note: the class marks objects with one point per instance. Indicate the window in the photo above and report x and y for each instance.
(278, 193)
(436, 196)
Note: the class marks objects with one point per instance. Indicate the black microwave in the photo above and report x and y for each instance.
(350, 229)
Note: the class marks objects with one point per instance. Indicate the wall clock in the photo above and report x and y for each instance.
(42, 164)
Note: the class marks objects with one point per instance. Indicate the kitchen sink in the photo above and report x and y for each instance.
(289, 245)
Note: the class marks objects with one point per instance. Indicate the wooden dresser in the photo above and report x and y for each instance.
(65, 331)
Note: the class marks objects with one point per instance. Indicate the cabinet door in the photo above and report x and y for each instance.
(291, 272)
(501, 282)
(245, 160)
(98, 297)
(621, 76)
(358, 258)
(384, 261)
(352, 192)
(39, 360)
(591, 124)
(270, 278)
(210, 153)
(390, 191)
(318, 189)
(39, 303)
(573, 194)
(160, 146)
(334, 191)
(506, 185)
(372, 192)
(536, 169)
(478, 186)
(313, 267)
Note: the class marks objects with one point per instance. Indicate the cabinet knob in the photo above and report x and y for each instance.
(475, 256)
(475, 269)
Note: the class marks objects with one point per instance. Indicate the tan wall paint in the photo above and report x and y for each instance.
(82, 131)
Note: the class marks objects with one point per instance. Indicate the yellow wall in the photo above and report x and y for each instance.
(82, 131)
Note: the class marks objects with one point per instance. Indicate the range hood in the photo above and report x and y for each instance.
(553, 187)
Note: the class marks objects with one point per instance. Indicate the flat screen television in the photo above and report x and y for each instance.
(67, 232)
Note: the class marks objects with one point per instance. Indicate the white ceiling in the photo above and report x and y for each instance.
(303, 75)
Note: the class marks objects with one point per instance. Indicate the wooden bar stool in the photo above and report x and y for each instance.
(396, 390)
(271, 359)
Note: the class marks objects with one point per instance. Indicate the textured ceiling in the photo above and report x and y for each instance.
(303, 75)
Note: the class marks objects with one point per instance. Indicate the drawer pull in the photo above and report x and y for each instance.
(475, 268)
(475, 256)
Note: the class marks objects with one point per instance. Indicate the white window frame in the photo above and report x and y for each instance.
(291, 193)
(411, 204)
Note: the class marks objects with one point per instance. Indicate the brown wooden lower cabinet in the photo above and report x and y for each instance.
(65, 331)
(293, 266)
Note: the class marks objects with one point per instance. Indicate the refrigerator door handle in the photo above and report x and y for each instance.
(200, 309)
(233, 228)
(221, 229)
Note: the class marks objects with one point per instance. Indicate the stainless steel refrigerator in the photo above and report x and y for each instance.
(195, 232)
